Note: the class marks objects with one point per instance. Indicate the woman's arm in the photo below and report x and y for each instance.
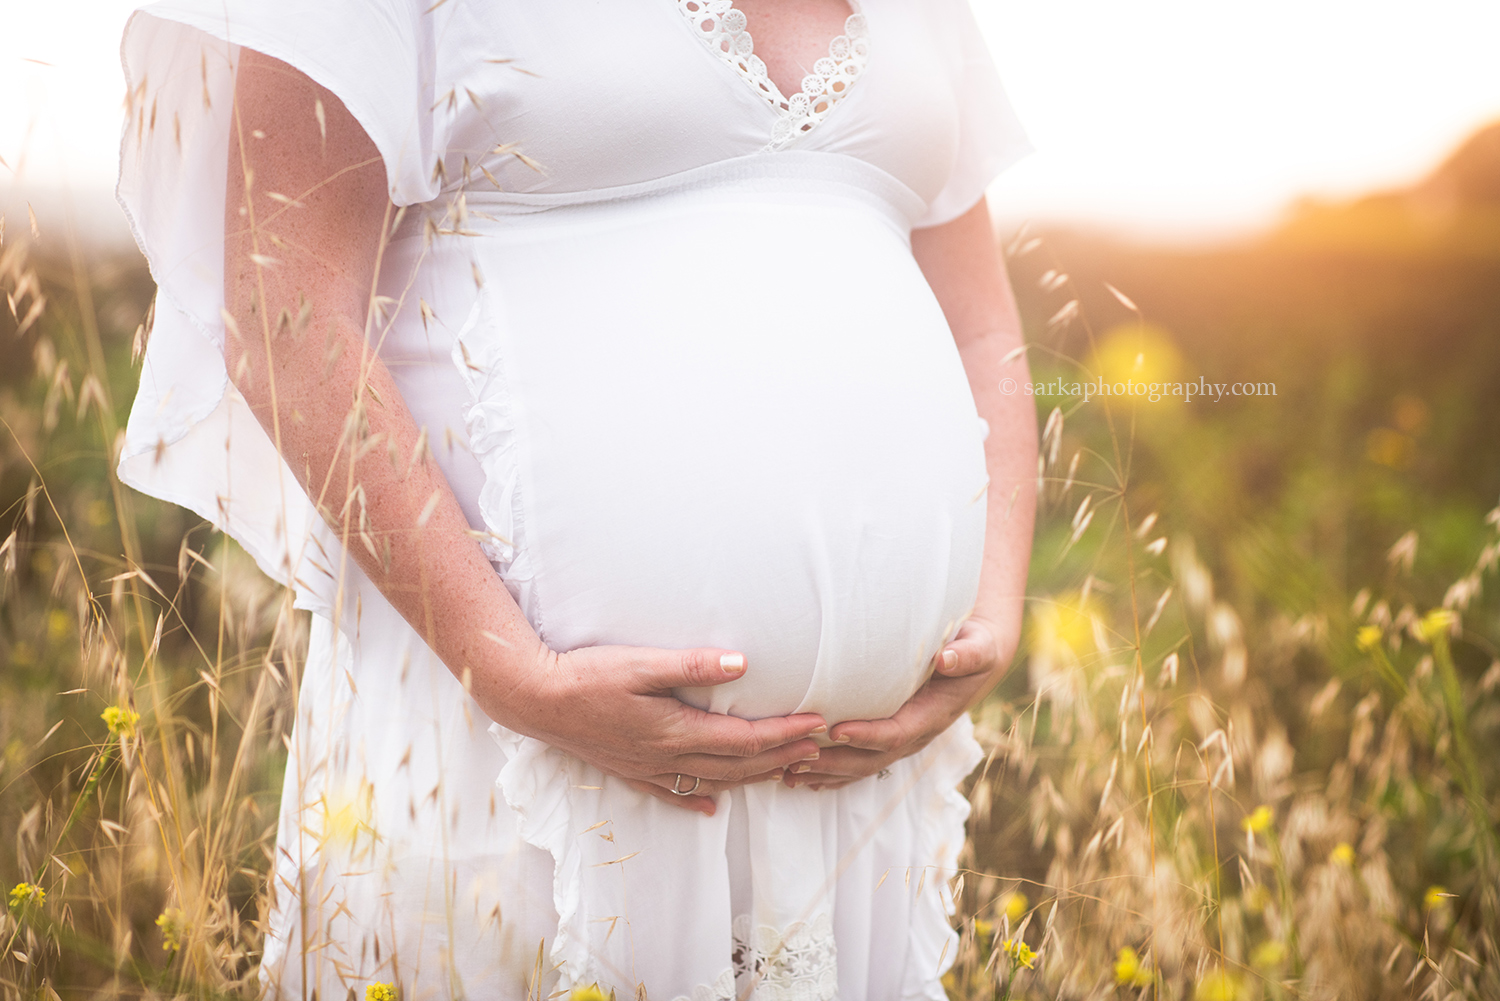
(962, 263)
(306, 211)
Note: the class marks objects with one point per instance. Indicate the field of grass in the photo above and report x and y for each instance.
(1250, 751)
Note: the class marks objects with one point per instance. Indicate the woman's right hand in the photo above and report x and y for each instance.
(613, 707)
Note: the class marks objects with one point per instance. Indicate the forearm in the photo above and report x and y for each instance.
(1010, 457)
(356, 450)
(962, 262)
(299, 277)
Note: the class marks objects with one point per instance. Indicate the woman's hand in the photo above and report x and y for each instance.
(966, 670)
(613, 707)
(961, 260)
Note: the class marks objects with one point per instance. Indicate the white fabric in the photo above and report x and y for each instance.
(681, 365)
(726, 30)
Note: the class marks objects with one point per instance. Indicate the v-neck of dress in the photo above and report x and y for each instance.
(725, 30)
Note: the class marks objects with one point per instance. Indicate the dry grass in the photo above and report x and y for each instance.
(1186, 796)
(147, 691)
(1193, 831)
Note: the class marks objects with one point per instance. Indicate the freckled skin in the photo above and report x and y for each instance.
(790, 37)
(608, 705)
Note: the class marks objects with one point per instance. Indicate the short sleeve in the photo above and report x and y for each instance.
(179, 58)
(191, 438)
(990, 136)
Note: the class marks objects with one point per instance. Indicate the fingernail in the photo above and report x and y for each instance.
(950, 660)
(811, 757)
(842, 738)
(732, 663)
(820, 728)
(799, 769)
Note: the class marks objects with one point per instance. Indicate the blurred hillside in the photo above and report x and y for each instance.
(1379, 323)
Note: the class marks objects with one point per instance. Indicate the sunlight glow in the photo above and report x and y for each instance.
(1169, 117)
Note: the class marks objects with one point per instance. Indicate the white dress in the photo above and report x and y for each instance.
(680, 366)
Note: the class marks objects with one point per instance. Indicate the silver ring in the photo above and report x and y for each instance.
(684, 792)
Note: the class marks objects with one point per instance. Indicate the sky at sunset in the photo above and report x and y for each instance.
(1185, 118)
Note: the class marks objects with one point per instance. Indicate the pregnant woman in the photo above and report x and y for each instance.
(617, 386)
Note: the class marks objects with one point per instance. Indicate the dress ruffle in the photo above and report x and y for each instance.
(535, 783)
(491, 419)
(564, 803)
(934, 943)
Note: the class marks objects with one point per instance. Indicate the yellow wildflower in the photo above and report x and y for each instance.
(173, 925)
(1368, 638)
(346, 817)
(1260, 821)
(589, 993)
(27, 893)
(1019, 952)
(1342, 854)
(1267, 954)
(1063, 629)
(1435, 897)
(380, 992)
(1217, 986)
(983, 930)
(1128, 969)
(1436, 623)
(57, 625)
(120, 720)
(1015, 906)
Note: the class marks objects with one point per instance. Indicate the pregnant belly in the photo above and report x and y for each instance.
(744, 426)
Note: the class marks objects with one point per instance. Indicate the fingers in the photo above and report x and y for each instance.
(926, 714)
(836, 770)
(844, 762)
(818, 783)
(706, 787)
(717, 734)
(701, 799)
(972, 651)
(884, 735)
(693, 804)
(697, 668)
(776, 731)
(721, 768)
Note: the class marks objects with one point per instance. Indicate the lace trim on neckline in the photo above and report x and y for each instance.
(724, 29)
(797, 963)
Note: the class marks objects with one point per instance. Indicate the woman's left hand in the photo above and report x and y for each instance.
(967, 668)
(961, 260)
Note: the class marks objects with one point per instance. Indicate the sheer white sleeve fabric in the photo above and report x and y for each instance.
(191, 439)
(990, 136)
